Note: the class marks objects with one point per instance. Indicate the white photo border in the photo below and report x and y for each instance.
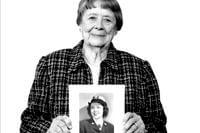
(118, 100)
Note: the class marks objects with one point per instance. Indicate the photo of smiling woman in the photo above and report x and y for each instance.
(97, 110)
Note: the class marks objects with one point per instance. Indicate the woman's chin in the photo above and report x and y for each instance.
(96, 116)
(98, 43)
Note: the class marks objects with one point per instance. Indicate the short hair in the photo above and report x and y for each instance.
(97, 99)
(113, 5)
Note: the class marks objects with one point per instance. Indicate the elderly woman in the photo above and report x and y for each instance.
(97, 110)
(94, 60)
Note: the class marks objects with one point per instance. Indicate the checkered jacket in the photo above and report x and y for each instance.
(49, 95)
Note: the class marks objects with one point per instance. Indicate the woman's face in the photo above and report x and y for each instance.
(98, 26)
(96, 110)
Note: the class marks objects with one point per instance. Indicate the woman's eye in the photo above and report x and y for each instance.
(92, 18)
(107, 20)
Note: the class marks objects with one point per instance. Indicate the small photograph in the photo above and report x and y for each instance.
(96, 108)
(95, 112)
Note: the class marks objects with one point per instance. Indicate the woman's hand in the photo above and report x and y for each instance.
(60, 124)
(133, 123)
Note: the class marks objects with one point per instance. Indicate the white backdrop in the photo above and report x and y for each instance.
(166, 33)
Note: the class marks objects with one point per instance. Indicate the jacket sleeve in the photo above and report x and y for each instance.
(153, 115)
(36, 118)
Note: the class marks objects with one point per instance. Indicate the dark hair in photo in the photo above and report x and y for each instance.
(100, 101)
(112, 5)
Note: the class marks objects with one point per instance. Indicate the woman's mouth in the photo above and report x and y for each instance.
(95, 114)
(99, 35)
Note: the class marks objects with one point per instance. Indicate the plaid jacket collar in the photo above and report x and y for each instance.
(77, 58)
(91, 121)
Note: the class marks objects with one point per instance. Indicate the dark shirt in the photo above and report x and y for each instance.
(89, 126)
(49, 95)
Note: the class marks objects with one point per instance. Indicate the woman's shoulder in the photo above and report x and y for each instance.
(58, 57)
(131, 61)
(68, 53)
(85, 121)
(129, 58)
(108, 124)
(60, 53)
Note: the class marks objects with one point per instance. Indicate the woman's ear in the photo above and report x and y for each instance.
(115, 32)
(80, 29)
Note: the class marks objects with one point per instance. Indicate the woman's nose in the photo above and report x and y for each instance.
(99, 24)
(95, 109)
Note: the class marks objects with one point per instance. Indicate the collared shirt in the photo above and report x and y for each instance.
(89, 126)
(49, 94)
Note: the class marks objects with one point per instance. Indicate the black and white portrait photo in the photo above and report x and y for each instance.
(100, 108)
(94, 116)
(106, 66)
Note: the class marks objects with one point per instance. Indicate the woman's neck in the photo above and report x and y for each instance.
(98, 121)
(94, 55)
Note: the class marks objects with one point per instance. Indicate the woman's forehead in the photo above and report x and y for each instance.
(99, 11)
(95, 104)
